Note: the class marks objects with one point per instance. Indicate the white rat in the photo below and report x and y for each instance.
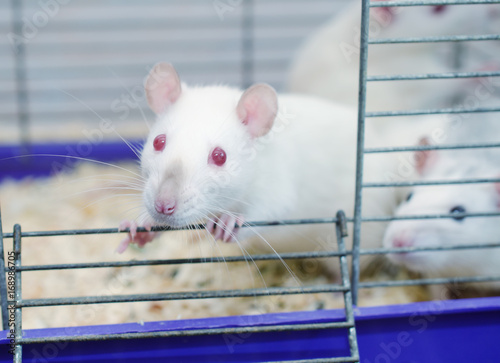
(467, 198)
(327, 64)
(225, 156)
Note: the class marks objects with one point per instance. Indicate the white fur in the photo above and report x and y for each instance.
(303, 168)
(327, 64)
(475, 198)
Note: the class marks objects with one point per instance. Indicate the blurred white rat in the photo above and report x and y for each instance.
(327, 64)
(224, 156)
(452, 199)
(466, 128)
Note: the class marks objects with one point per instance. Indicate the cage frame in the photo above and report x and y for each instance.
(350, 286)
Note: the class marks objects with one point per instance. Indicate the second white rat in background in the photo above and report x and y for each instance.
(451, 199)
(327, 64)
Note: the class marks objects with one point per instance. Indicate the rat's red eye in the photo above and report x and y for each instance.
(159, 142)
(218, 157)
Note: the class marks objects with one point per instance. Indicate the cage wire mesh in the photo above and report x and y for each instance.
(95, 51)
(238, 60)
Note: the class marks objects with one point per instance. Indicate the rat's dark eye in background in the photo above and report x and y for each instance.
(438, 9)
(217, 157)
(409, 196)
(458, 209)
(159, 142)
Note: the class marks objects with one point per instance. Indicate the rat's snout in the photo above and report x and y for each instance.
(166, 197)
(401, 238)
(165, 206)
(402, 241)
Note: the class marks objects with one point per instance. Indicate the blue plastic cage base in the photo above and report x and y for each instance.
(48, 159)
(465, 330)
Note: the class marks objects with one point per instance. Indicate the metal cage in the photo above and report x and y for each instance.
(12, 303)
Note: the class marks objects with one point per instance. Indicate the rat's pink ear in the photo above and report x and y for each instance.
(163, 87)
(424, 158)
(257, 109)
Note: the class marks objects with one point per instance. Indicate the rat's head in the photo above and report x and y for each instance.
(388, 14)
(436, 20)
(445, 199)
(193, 161)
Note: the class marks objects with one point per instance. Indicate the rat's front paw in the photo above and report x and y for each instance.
(140, 238)
(225, 227)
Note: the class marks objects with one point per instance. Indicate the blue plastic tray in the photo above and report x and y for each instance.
(48, 159)
(447, 331)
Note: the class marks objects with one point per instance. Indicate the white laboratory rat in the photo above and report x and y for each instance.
(224, 156)
(454, 199)
(327, 64)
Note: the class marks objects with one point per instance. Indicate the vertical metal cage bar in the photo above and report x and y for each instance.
(458, 54)
(363, 60)
(20, 73)
(247, 24)
(18, 351)
(341, 230)
(3, 282)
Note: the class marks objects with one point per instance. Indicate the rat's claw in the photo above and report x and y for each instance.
(144, 237)
(122, 247)
(140, 238)
(229, 231)
(219, 229)
(225, 228)
(235, 227)
(132, 227)
(210, 226)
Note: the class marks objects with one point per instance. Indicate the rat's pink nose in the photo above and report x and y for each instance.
(399, 242)
(166, 207)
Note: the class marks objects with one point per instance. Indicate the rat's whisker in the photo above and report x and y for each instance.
(245, 253)
(253, 229)
(107, 177)
(236, 200)
(213, 243)
(131, 95)
(106, 198)
(107, 188)
(72, 157)
(102, 119)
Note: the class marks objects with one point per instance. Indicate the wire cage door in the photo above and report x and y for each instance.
(11, 286)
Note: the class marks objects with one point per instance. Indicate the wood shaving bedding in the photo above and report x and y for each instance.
(85, 199)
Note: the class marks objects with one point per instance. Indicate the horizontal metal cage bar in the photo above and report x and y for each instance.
(434, 281)
(431, 182)
(431, 112)
(199, 260)
(191, 295)
(435, 39)
(430, 147)
(384, 251)
(174, 333)
(75, 232)
(448, 75)
(428, 216)
(332, 220)
(385, 4)
(267, 257)
(244, 293)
